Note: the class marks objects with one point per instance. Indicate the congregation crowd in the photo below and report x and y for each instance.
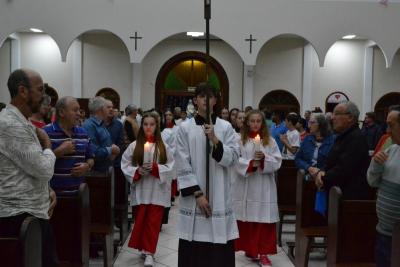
(47, 151)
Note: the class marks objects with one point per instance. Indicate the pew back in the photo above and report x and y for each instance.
(23, 250)
(286, 186)
(351, 232)
(71, 222)
(395, 261)
(101, 186)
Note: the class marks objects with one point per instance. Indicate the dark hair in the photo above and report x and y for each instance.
(371, 115)
(303, 123)
(17, 78)
(2, 105)
(248, 108)
(205, 89)
(293, 118)
(279, 114)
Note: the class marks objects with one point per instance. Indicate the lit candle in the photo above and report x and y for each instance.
(147, 153)
(257, 142)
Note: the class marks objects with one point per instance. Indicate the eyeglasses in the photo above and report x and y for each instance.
(341, 113)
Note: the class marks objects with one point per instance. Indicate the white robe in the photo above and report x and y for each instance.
(149, 189)
(168, 136)
(191, 171)
(254, 194)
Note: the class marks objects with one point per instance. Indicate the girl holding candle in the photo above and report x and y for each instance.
(254, 190)
(148, 166)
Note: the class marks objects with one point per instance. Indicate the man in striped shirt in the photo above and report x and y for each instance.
(71, 145)
(384, 173)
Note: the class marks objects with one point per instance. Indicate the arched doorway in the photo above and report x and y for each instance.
(280, 100)
(52, 92)
(110, 94)
(178, 77)
(333, 99)
(383, 104)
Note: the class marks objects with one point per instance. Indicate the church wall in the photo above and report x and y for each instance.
(39, 52)
(279, 66)
(385, 80)
(223, 53)
(106, 64)
(5, 66)
(343, 72)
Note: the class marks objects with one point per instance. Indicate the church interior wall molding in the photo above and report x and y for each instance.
(320, 22)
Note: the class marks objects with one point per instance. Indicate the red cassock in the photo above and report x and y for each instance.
(148, 219)
(147, 226)
(256, 238)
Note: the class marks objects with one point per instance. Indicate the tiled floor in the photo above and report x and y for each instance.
(167, 250)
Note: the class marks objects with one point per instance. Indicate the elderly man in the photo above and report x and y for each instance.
(27, 163)
(70, 144)
(348, 160)
(103, 148)
(384, 173)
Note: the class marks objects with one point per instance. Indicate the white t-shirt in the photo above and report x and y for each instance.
(294, 141)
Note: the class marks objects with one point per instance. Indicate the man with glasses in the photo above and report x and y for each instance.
(27, 163)
(348, 160)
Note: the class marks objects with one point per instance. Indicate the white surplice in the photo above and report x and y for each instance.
(191, 171)
(149, 189)
(254, 194)
(168, 136)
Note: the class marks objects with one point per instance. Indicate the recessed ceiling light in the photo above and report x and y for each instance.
(195, 34)
(35, 30)
(349, 37)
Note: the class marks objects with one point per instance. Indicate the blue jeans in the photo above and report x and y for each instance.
(383, 250)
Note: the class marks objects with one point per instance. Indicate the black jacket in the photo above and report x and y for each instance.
(347, 164)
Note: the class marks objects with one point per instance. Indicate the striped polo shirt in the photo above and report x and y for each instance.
(387, 178)
(62, 179)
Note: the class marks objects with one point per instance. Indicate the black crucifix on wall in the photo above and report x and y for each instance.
(136, 37)
(251, 40)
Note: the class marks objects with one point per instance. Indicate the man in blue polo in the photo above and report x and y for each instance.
(103, 148)
(71, 145)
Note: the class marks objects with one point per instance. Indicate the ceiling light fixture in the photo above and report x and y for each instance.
(35, 30)
(195, 34)
(349, 37)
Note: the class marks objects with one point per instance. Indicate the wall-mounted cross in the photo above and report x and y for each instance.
(251, 40)
(136, 37)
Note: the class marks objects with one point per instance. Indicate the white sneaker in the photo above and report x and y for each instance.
(149, 261)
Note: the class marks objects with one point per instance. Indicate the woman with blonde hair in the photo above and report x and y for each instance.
(148, 164)
(254, 190)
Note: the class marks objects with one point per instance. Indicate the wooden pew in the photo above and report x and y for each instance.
(351, 231)
(24, 250)
(71, 222)
(395, 260)
(286, 189)
(309, 224)
(101, 186)
(121, 205)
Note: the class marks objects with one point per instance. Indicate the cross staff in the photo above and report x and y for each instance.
(207, 17)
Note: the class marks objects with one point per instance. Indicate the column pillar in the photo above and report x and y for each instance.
(136, 83)
(368, 80)
(77, 75)
(307, 78)
(248, 86)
